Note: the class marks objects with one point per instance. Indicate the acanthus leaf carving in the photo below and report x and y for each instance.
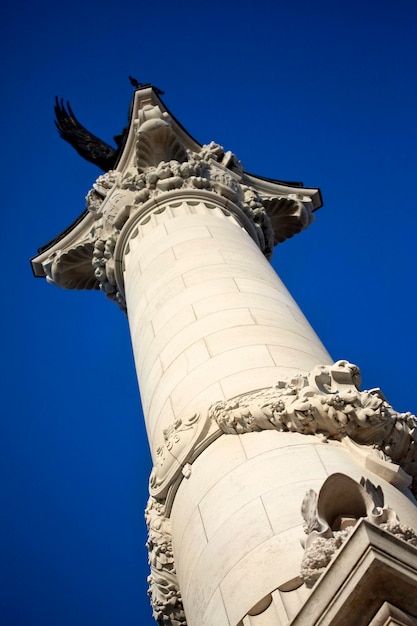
(159, 158)
(116, 197)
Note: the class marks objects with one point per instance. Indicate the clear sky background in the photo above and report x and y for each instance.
(320, 92)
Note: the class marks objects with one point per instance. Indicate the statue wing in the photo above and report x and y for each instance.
(85, 143)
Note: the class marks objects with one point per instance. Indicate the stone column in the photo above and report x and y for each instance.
(209, 317)
(244, 410)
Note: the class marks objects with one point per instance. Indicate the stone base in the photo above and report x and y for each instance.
(372, 582)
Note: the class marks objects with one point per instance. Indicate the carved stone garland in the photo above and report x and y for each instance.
(200, 171)
(163, 584)
(327, 403)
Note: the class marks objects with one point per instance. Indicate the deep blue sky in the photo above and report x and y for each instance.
(324, 93)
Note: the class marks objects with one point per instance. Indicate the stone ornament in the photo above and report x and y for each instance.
(163, 584)
(331, 516)
(328, 403)
(184, 440)
(152, 178)
(179, 440)
(160, 159)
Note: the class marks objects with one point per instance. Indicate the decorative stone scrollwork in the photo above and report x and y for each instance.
(327, 403)
(101, 189)
(163, 165)
(163, 584)
(184, 440)
(331, 516)
(179, 440)
(211, 169)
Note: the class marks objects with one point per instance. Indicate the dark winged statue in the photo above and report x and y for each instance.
(85, 143)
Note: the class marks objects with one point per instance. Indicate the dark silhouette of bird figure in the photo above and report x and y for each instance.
(90, 147)
(135, 83)
(85, 143)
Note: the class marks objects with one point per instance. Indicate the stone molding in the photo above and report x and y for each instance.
(389, 615)
(184, 440)
(116, 199)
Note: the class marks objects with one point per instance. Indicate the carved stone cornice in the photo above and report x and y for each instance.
(160, 159)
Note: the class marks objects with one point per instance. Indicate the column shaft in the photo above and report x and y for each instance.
(209, 317)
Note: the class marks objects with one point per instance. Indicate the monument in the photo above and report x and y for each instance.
(280, 493)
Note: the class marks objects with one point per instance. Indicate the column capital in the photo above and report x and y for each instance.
(160, 159)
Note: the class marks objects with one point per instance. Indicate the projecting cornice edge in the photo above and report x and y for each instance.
(159, 157)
